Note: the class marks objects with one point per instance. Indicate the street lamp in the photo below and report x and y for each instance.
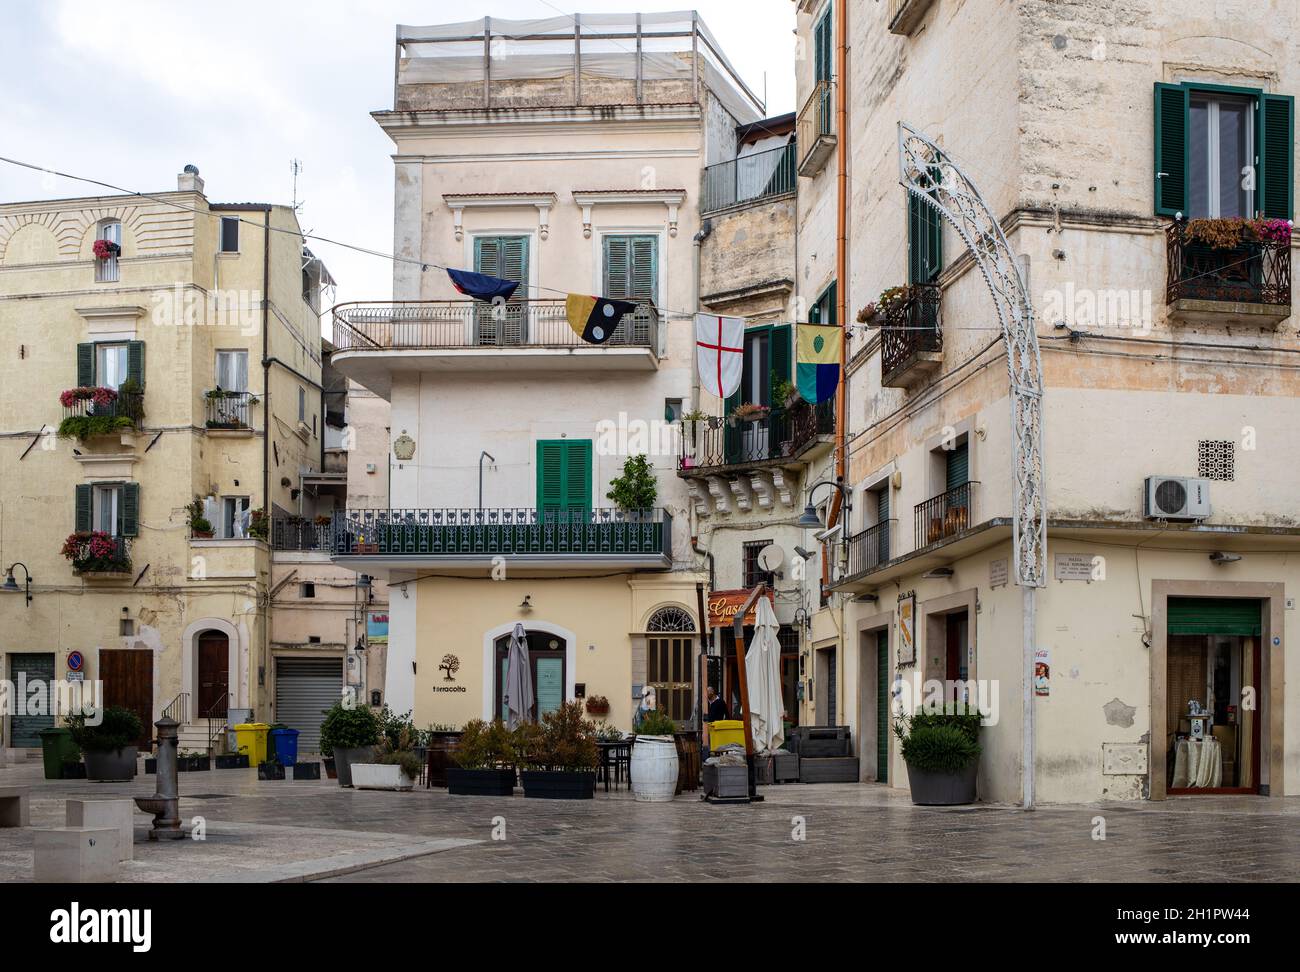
(11, 586)
(810, 520)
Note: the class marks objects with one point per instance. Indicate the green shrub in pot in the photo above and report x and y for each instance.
(350, 732)
(941, 748)
(485, 760)
(111, 745)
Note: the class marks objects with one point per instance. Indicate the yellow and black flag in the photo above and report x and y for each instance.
(595, 319)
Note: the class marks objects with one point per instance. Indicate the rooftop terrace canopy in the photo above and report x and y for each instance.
(623, 46)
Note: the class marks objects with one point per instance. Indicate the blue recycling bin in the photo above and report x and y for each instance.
(284, 743)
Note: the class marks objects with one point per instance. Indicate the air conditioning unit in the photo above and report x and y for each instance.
(1177, 498)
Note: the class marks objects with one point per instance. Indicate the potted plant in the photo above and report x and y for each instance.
(597, 705)
(106, 249)
(188, 762)
(271, 769)
(258, 524)
(636, 490)
(396, 765)
(560, 755)
(654, 759)
(200, 526)
(351, 732)
(96, 552)
(942, 753)
(485, 761)
(110, 747)
(749, 412)
(232, 761)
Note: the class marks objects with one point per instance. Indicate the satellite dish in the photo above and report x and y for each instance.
(771, 558)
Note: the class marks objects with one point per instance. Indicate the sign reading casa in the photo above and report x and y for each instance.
(723, 606)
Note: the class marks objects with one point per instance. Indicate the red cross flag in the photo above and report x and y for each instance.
(719, 352)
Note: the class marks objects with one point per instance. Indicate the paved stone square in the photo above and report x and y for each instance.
(294, 831)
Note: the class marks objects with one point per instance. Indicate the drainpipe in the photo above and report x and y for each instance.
(705, 231)
(266, 431)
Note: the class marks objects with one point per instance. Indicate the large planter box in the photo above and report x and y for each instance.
(764, 770)
(828, 769)
(785, 767)
(270, 771)
(72, 771)
(726, 782)
(821, 741)
(233, 761)
(331, 772)
(558, 784)
(441, 757)
(344, 758)
(114, 767)
(480, 782)
(193, 764)
(380, 776)
(930, 789)
(306, 771)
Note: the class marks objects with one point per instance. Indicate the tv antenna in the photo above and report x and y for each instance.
(295, 166)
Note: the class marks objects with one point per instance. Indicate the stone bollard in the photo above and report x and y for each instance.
(165, 804)
(98, 814)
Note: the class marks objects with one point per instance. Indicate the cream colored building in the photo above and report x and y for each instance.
(569, 168)
(1088, 129)
(201, 297)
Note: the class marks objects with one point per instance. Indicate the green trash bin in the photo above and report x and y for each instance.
(58, 748)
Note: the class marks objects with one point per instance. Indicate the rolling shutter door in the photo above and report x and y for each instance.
(304, 689)
(882, 705)
(1214, 616)
(24, 730)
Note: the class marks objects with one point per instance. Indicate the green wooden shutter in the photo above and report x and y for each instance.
(135, 362)
(924, 241)
(505, 257)
(618, 261)
(1214, 616)
(84, 514)
(487, 256)
(780, 351)
(85, 365)
(577, 475)
(882, 705)
(550, 475)
(958, 466)
(1173, 132)
(644, 272)
(128, 512)
(1277, 156)
(822, 48)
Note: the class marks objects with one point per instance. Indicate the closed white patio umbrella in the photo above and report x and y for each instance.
(518, 690)
(763, 675)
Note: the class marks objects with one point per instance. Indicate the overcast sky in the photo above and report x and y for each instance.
(130, 91)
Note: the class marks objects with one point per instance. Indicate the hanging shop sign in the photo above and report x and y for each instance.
(725, 605)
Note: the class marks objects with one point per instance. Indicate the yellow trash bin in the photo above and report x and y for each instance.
(250, 738)
(726, 731)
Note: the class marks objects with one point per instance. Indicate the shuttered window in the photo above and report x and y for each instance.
(825, 309)
(924, 241)
(823, 47)
(1223, 151)
(632, 267)
(957, 463)
(1214, 616)
(110, 364)
(111, 508)
(564, 474)
(505, 257)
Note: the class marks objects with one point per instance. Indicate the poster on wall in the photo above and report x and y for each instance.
(377, 627)
(1042, 671)
(907, 628)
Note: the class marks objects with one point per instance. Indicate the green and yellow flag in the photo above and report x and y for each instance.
(817, 361)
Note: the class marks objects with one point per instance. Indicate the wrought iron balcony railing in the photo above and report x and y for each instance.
(127, 405)
(815, 128)
(871, 548)
(437, 324)
(781, 435)
(298, 534)
(911, 328)
(1253, 271)
(101, 553)
(229, 409)
(944, 515)
(502, 532)
(750, 178)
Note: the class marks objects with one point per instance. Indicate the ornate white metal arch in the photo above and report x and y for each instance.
(926, 172)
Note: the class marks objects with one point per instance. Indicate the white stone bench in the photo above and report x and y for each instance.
(98, 814)
(15, 806)
(76, 855)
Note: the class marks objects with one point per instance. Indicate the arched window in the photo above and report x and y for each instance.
(671, 619)
(110, 231)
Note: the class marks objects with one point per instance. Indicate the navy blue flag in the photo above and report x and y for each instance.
(480, 286)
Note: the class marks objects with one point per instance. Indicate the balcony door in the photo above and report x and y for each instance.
(564, 476)
(767, 357)
(505, 257)
(632, 273)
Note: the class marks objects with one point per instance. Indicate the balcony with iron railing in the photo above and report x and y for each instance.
(911, 337)
(473, 335)
(815, 129)
(1229, 271)
(778, 437)
(91, 412)
(528, 538)
(749, 179)
(871, 548)
(905, 15)
(945, 515)
(298, 534)
(229, 410)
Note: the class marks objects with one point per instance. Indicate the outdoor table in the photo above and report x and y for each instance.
(615, 752)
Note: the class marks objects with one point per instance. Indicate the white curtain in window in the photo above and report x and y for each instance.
(110, 368)
(232, 370)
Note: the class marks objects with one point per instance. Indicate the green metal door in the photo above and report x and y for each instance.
(26, 672)
(882, 705)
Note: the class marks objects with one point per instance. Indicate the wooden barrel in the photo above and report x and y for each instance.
(654, 769)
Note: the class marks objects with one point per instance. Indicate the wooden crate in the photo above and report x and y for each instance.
(785, 767)
(828, 769)
(726, 781)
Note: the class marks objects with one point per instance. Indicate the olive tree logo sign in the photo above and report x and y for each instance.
(450, 665)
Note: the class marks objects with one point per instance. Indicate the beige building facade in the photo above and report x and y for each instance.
(174, 342)
(1110, 155)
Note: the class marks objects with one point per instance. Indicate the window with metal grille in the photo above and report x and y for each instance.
(671, 619)
(753, 572)
(1217, 459)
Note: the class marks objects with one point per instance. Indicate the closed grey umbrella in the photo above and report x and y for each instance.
(519, 680)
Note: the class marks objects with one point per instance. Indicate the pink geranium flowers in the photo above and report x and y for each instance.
(97, 395)
(104, 249)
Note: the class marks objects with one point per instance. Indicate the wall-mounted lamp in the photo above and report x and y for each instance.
(810, 519)
(11, 586)
(938, 573)
(526, 604)
(1218, 557)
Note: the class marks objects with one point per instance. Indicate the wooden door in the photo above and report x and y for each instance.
(214, 674)
(127, 674)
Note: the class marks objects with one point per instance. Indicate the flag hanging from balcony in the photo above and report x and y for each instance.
(719, 352)
(595, 319)
(817, 361)
(480, 286)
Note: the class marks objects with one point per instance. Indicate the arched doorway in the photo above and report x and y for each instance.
(547, 657)
(212, 649)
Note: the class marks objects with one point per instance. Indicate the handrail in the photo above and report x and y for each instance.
(178, 708)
